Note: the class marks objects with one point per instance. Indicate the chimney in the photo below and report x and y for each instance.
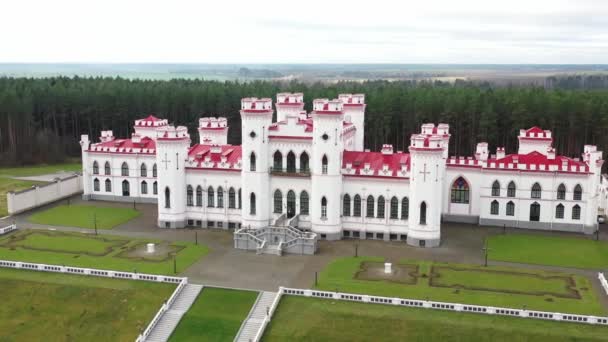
(500, 152)
(387, 149)
(551, 153)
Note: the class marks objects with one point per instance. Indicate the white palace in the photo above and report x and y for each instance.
(311, 171)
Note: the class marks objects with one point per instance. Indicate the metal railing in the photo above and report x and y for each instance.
(280, 171)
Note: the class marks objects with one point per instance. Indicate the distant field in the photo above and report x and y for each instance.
(216, 315)
(314, 319)
(549, 250)
(84, 216)
(469, 284)
(40, 306)
(8, 184)
(105, 252)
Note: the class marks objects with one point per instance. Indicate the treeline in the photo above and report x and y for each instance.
(41, 120)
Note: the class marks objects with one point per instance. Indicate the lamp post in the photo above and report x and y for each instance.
(356, 250)
(485, 252)
(174, 264)
(95, 222)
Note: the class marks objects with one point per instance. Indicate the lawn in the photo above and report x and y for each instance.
(315, 319)
(504, 286)
(549, 250)
(97, 251)
(84, 216)
(40, 306)
(216, 315)
(8, 184)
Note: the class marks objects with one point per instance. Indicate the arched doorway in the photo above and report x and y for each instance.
(125, 188)
(535, 212)
(291, 204)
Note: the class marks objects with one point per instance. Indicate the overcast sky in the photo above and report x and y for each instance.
(308, 31)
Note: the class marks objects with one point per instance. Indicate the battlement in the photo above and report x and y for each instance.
(535, 133)
(151, 121)
(426, 142)
(431, 129)
(387, 149)
(290, 99)
(106, 136)
(255, 105)
(352, 99)
(172, 133)
(325, 106)
(212, 123)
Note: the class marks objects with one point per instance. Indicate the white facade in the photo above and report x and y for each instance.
(310, 170)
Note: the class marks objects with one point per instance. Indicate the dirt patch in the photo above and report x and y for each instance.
(569, 283)
(163, 252)
(401, 273)
(13, 243)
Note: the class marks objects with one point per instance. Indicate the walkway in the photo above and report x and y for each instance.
(252, 324)
(164, 328)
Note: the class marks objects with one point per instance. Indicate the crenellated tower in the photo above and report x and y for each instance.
(172, 145)
(289, 104)
(213, 131)
(354, 111)
(256, 118)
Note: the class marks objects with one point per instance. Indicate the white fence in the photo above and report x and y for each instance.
(8, 229)
(603, 281)
(110, 274)
(555, 316)
(268, 316)
(38, 195)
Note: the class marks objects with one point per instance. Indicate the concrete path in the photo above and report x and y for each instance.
(253, 323)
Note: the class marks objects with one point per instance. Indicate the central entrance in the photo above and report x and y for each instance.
(291, 204)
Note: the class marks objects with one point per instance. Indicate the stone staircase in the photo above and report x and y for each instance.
(272, 249)
(254, 321)
(164, 328)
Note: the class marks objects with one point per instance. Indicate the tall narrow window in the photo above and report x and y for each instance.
(511, 189)
(536, 191)
(304, 162)
(578, 193)
(107, 170)
(357, 206)
(510, 208)
(167, 198)
(291, 204)
(576, 212)
(220, 197)
(291, 162)
(240, 201)
(369, 203)
(96, 184)
(252, 204)
(278, 202)
(154, 170)
(405, 208)
(324, 165)
(108, 185)
(126, 188)
(155, 188)
(559, 211)
(210, 197)
(277, 161)
(231, 198)
(252, 162)
(346, 205)
(143, 170)
(394, 208)
(423, 213)
(95, 168)
(381, 205)
(495, 188)
(144, 188)
(494, 207)
(304, 203)
(323, 207)
(535, 211)
(460, 191)
(561, 192)
(189, 196)
(124, 169)
(199, 196)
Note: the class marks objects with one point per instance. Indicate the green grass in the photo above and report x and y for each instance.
(63, 248)
(549, 250)
(314, 319)
(216, 315)
(8, 184)
(44, 306)
(339, 275)
(84, 216)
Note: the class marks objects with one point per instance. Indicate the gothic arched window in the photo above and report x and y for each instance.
(578, 193)
(291, 162)
(559, 211)
(304, 203)
(346, 205)
(252, 162)
(423, 213)
(199, 196)
(510, 208)
(495, 188)
(324, 165)
(381, 205)
(561, 192)
(394, 208)
(210, 197)
(369, 206)
(277, 161)
(220, 197)
(106, 169)
(143, 170)
(511, 189)
(108, 185)
(304, 162)
(460, 191)
(252, 204)
(167, 198)
(494, 207)
(405, 208)
(155, 188)
(95, 168)
(357, 206)
(124, 169)
(576, 212)
(278, 201)
(154, 170)
(536, 191)
(96, 184)
(323, 207)
(144, 188)
(231, 198)
(126, 188)
(189, 196)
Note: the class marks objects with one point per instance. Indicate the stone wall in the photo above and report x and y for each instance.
(40, 195)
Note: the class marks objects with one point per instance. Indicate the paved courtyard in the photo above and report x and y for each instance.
(226, 266)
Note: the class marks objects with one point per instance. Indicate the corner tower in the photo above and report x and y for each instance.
(354, 111)
(172, 145)
(326, 163)
(256, 117)
(213, 131)
(426, 185)
(289, 104)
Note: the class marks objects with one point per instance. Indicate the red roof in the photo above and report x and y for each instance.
(151, 118)
(376, 160)
(201, 151)
(145, 142)
(535, 133)
(537, 158)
